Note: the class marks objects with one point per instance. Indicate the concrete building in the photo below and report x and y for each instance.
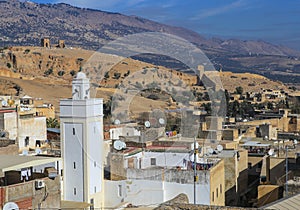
(123, 131)
(28, 189)
(160, 176)
(82, 142)
(267, 131)
(236, 174)
(25, 127)
(291, 203)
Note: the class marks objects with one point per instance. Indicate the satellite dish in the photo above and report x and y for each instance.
(161, 121)
(295, 141)
(147, 124)
(266, 137)
(220, 148)
(10, 206)
(25, 152)
(4, 103)
(124, 145)
(117, 122)
(210, 151)
(38, 151)
(271, 152)
(119, 145)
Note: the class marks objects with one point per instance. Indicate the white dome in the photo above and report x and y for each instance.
(80, 75)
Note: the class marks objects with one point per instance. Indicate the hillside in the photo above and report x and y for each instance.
(25, 23)
(29, 64)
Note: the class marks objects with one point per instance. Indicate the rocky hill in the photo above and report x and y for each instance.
(24, 23)
(57, 67)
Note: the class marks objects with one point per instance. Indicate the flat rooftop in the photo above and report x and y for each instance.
(17, 162)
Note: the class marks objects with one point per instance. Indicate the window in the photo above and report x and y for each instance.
(120, 190)
(73, 131)
(74, 165)
(37, 143)
(217, 192)
(95, 164)
(74, 190)
(153, 161)
(26, 141)
(95, 189)
(213, 196)
(92, 204)
(220, 188)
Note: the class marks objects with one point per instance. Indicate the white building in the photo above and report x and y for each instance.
(115, 133)
(152, 178)
(82, 142)
(24, 127)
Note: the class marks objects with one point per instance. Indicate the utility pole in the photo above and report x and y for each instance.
(195, 172)
(286, 170)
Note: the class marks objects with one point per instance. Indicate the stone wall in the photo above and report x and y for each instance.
(27, 196)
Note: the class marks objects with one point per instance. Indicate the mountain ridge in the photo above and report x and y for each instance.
(108, 26)
(25, 23)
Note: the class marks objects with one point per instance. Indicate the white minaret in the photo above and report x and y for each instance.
(81, 120)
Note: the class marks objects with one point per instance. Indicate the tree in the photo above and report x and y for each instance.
(239, 90)
(270, 105)
(73, 72)
(48, 72)
(52, 123)
(127, 73)
(207, 107)
(106, 75)
(117, 75)
(61, 73)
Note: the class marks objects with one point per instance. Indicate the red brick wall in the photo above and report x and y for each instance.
(2, 197)
(25, 204)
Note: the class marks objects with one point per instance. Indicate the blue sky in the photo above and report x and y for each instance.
(275, 21)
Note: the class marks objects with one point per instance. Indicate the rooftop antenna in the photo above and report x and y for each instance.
(117, 122)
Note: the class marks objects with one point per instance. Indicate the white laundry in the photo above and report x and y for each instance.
(28, 172)
(23, 174)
